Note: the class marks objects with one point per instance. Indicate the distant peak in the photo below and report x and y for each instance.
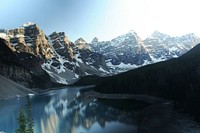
(190, 34)
(80, 41)
(132, 32)
(95, 40)
(3, 30)
(158, 34)
(28, 24)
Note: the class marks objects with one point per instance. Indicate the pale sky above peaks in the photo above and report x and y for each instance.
(104, 19)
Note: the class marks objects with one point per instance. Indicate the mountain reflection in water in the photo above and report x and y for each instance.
(68, 111)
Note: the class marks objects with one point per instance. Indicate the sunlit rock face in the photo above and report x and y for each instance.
(31, 39)
(30, 48)
(81, 44)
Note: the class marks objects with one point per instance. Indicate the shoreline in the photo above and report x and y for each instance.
(37, 91)
(160, 114)
(143, 98)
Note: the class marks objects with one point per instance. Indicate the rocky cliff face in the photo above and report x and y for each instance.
(23, 68)
(72, 60)
(81, 44)
(30, 39)
(163, 47)
(122, 53)
(10, 66)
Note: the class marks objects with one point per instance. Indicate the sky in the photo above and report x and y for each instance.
(105, 19)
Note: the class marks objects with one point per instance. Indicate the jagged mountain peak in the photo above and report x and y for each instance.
(29, 38)
(28, 24)
(59, 35)
(161, 36)
(80, 41)
(81, 44)
(130, 37)
(132, 32)
(157, 34)
(95, 40)
(190, 35)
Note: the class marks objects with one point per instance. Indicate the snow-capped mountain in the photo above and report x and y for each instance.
(66, 61)
(129, 51)
(163, 47)
(70, 61)
(62, 59)
(122, 53)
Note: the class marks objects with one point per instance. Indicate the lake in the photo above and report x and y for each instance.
(68, 111)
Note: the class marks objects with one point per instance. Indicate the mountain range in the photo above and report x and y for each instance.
(64, 61)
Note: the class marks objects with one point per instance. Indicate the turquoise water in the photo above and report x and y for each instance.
(68, 111)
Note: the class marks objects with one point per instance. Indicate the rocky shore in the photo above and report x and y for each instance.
(10, 89)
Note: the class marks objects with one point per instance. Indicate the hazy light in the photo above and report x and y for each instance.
(174, 17)
(105, 19)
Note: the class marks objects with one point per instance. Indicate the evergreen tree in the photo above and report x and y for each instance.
(25, 120)
(30, 123)
(21, 123)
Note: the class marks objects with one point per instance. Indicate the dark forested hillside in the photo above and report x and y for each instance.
(169, 76)
(176, 79)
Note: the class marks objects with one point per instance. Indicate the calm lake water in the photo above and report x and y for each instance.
(68, 111)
